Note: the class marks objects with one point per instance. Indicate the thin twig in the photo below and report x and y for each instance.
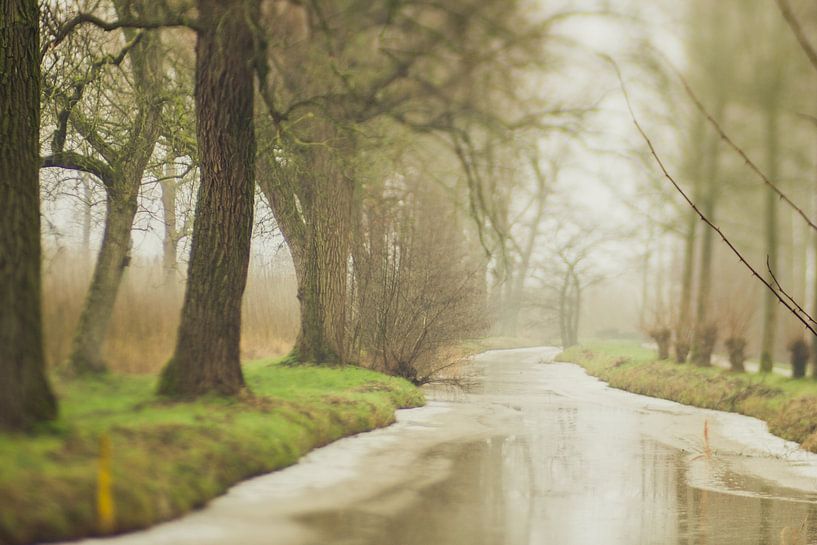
(784, 292)
(700, 214)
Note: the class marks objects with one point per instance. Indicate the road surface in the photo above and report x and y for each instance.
(536, 453)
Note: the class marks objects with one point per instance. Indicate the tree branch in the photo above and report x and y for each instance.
(784, 292)
(740, 152)
(70, 160)
(794, 24)
(108, 26)
(700, 214)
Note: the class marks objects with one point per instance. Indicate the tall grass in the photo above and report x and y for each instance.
(143, 326)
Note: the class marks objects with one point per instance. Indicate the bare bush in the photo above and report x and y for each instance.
(418, 292)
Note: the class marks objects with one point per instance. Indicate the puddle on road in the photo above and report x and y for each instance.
(578, 477)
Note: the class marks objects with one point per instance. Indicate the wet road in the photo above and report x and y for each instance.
(537, 453)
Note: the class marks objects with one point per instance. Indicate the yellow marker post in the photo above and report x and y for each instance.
(106, 515)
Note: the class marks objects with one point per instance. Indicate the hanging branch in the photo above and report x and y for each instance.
(725, 137)
(791, 308)
(794, 24)
(784, 292)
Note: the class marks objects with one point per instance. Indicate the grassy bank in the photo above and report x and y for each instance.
(788, 406)
(168, 458)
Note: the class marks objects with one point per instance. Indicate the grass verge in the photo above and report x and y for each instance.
(788, 406)
(169, 458)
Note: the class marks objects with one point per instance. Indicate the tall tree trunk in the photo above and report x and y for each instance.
(577, 309)
(324, 270)
(701, 352)
(683, 333)
(113, 258)
(86, 220)
(207, 355)
(683, 327)
(814, 287)
(25, 396)
(315, 213)
(770, 301)
(521, 273)
(171, 236)
(122, 203)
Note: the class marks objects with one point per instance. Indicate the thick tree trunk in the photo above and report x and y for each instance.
(770, 301)
(322, 282)
(207, 356)
(25, 396)
(315, 213)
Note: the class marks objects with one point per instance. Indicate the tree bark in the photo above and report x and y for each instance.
(207, 355)
(322, 282)
(313, 203)
(25, 395)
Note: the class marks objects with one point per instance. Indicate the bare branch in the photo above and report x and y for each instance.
(109, 26)
(740, 151)
(74, 161)
(784, 292)
(794, 24)
(812, 328)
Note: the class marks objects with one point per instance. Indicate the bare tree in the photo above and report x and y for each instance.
(116, 156)
(418, 284)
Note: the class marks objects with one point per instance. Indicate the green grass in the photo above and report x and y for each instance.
(169, 458)
(788, 406)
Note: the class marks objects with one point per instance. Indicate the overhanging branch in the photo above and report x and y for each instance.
(768, 284)
(109, 26)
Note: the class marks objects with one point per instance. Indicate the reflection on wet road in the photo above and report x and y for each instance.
(576, 471)
(536, 453)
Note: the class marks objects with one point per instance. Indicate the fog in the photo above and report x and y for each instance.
(232, 232)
